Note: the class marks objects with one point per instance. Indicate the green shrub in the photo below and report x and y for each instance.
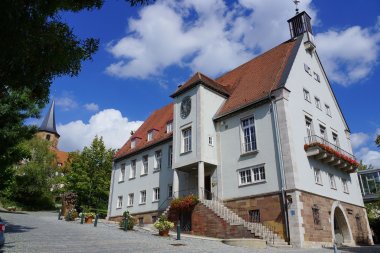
(131, 221)
(163, 224)
(71, 215)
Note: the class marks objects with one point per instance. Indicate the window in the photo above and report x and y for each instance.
(150, 135)
(141, 221)
(156, 194)
(249, 134)
(48, 137)
(317, 78)
(142, 197)
(306, 95)
(322, 131)
(133, 144)
(254, 215)
(318, 176)
(170, 156)
(144, 170)
(122, 173)
(130, 199)
(335, 139)
(318, 103)
(328, 112)
(157, 160)
(307, 68)
(316, 217)
(169, 127)
(186, 140)
(252, 175)
(170, 191)
(332, 181)
(119, 203)
(309, 126)
(345, 185)
(132, 173)
(210, 141)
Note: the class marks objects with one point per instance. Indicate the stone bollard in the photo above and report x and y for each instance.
(96, 220)
(178, 231)
(81, 218)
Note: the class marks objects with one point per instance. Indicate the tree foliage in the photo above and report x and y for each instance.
(34, 175)
(378, 140)
(90, 174)
(36, 46)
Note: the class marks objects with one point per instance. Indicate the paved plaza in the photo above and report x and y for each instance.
(43, 232)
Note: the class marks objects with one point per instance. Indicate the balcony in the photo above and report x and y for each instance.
(330, 154)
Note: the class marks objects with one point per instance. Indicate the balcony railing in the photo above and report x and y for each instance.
(330, 153)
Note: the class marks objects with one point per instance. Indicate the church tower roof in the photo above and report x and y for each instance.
(48, 125)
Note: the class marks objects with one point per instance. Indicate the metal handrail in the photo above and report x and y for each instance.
(317, 139)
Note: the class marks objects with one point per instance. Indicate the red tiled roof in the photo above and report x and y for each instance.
(60, 156)
(254, 80)
(157, 120)
(201, 78)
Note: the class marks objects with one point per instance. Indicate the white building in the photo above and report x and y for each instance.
(267, 140)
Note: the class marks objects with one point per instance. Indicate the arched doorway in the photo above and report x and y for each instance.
(340, 228)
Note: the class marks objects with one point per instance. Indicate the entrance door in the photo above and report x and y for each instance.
(208, 194)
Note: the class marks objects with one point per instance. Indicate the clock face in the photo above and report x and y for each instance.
(185, 107)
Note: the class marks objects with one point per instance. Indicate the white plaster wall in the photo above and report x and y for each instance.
(210, 103)
(232, 160)
(161, 179)
(298, 107)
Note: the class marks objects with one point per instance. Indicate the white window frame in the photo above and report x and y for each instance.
(248, 134)
(133, 144)
(306, 95)
(170, 191)
(150, 135)
(170, 156)
(156, 194)
(144, 165)
(335, 139)
(169, 127)
(142, 197)
(186, 140)
(323, 132)
(317, 78)
(119, 203)
(318, 176)
(157, 160)
(132, 172)
(211, 141)
(332, 181)
(309, 126)
(131, 197)
(328, 110)
(122, 172)
(251, 175)
(318, 103)
(307, 68)
(345, 186)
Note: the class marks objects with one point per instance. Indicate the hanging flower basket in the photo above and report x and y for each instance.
(184, 203)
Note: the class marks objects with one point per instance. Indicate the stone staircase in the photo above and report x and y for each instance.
(257, 229)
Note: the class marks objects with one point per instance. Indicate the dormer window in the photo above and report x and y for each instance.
(133, 144)
(169, 127)
(150, 135)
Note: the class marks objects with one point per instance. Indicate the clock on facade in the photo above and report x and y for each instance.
(185, 107)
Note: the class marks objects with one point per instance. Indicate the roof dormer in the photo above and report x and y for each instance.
(134, 141)
(151, 134)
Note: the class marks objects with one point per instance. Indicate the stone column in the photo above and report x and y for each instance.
(175, 184)
(201, 179)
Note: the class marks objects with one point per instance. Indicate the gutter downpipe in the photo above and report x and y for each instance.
(282, 174)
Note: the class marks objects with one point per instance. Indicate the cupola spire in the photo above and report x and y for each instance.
(296, 2)
(48, 125)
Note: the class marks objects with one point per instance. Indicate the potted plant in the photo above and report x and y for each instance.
(88, 217)
(163, 225)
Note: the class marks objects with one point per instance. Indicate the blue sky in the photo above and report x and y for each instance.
(145, 52)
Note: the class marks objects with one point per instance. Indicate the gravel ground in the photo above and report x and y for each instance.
(43, 232)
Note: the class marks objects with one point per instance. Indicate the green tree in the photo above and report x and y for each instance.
(36, 46)
(34, 176)
(378, 140)
(90, 174)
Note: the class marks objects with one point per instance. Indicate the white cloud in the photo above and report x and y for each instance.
(92, 107)
(369, 157)
(349, 55)
(110, 124)
(66, 102)
(358, 139)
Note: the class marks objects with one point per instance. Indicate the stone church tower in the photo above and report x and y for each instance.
(48, 130)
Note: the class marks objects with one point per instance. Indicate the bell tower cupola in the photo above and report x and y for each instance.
(48, 130)
(300, 25)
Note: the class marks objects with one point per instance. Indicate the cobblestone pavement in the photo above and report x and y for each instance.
(43, 232)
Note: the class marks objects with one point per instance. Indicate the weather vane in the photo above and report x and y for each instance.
(296, 2)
